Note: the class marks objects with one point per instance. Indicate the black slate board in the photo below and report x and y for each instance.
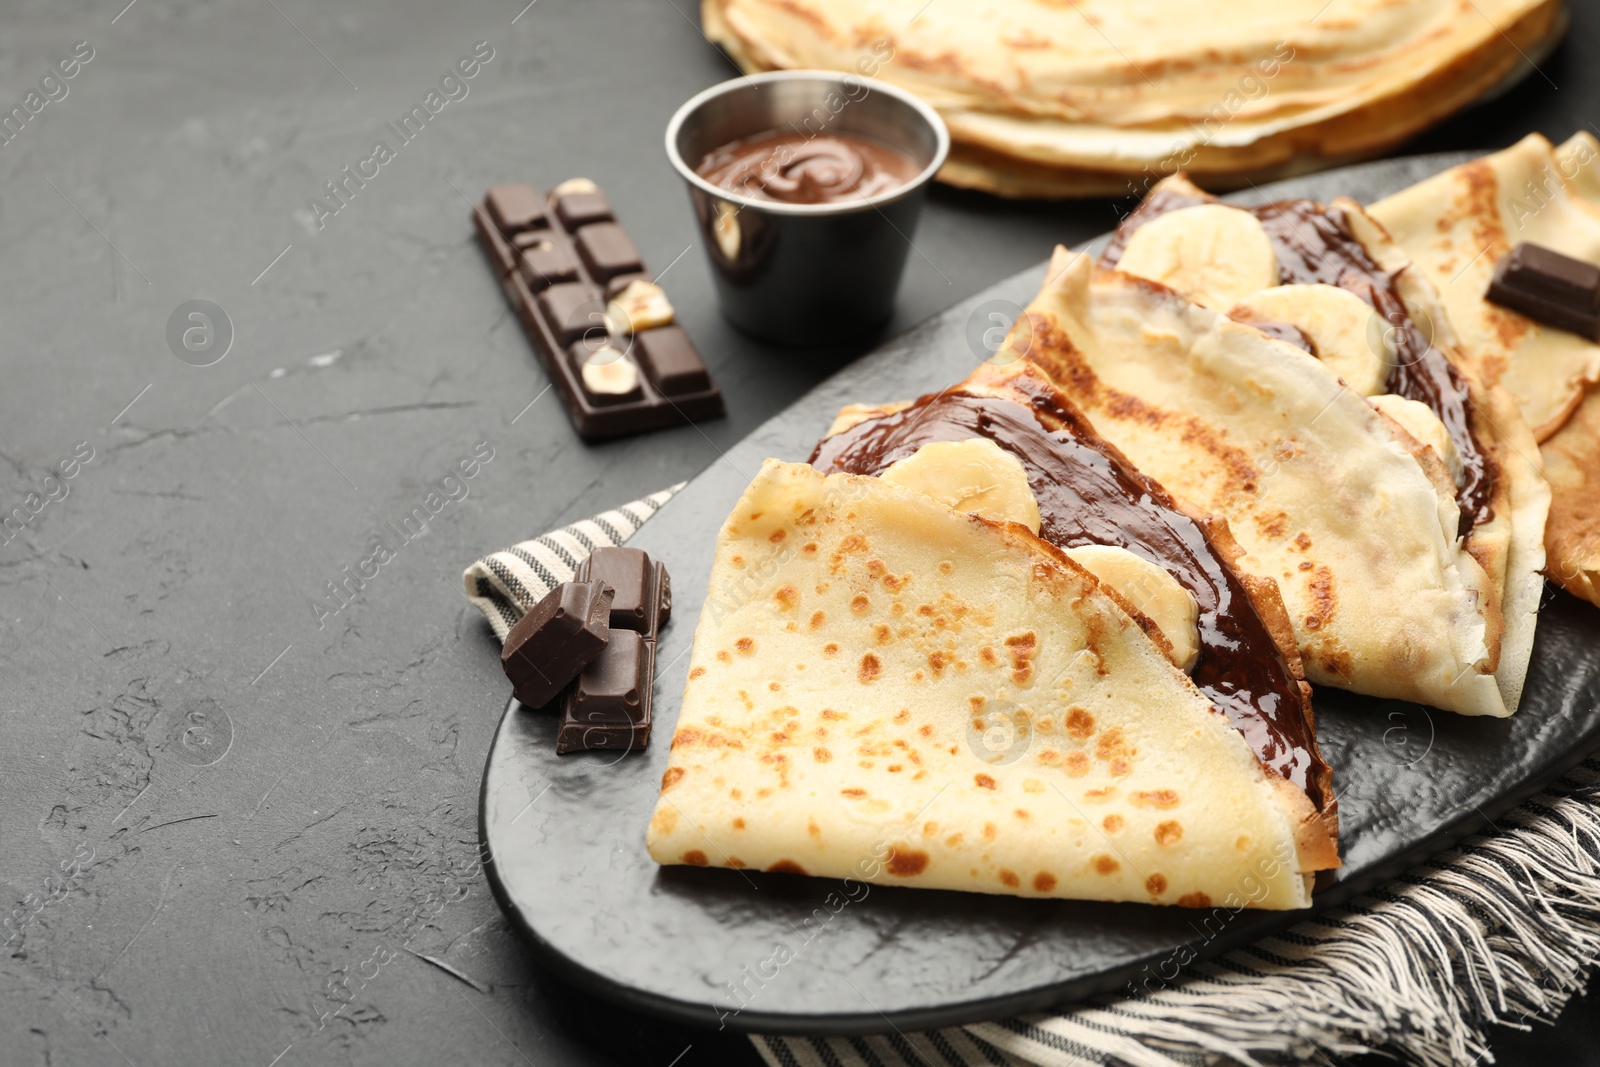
(567, 834)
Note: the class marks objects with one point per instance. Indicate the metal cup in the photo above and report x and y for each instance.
(804, 274)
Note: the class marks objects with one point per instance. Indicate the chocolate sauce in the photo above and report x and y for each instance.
(799, 168)
(1089, 494)
(1316, 246)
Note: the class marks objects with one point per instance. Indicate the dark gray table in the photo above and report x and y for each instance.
(240, 825)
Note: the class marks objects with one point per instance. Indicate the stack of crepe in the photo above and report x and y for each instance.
(1104, 97)
(1247, 449)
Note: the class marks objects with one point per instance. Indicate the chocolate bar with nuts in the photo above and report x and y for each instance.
(605, 332)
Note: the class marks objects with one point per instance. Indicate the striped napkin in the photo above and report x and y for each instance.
(1503, 929)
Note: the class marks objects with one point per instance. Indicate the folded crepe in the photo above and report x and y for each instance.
(831, 721)
(1102, 97)
(1089, 501)
(1455, 227)
(1350, 513)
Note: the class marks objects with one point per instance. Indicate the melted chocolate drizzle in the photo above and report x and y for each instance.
(1089, 494)
(1316, 246)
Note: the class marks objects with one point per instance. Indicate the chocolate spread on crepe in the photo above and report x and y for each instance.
(1088, 493)
(1315, 245)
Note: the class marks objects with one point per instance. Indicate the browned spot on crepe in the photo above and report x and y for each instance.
(1044, 881)
(1169, 832)
(695, 858)
(786, 867)
(906, 862)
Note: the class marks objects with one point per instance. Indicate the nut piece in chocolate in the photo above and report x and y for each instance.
(609, 705)
(557, 639)
(1549, 287)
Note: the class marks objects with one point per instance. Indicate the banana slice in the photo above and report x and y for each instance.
(976, 476)
(1213, 254)
(1153, 591)
(1338, 322)
(1420, 422)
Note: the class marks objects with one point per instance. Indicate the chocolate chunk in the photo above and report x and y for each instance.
(1549, 287)
(609, 705)
(560, 266)
(641, 589)
(556, 640)
(515, 208)
(608, 251)
(670, 361)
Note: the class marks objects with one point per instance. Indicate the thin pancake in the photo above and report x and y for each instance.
(1038, 106)
(829, 719)
(1326, 496)
(1088, 493)
(1501, 491)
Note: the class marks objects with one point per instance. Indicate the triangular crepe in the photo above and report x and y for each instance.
(1455, 227)
(1088, 494)
(860, 636)
(1331, 499)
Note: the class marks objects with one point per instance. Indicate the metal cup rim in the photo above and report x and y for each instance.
(775, 207)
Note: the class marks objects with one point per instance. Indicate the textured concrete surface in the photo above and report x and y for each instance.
(236, 825)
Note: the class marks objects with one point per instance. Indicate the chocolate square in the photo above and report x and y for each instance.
(580, 209)
(544, 264)
(556, 640)
(571, 311)
(629, 571)
(1549, 287)
(608, 707)
(607, 251)
(515, 207)
(670, 361)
